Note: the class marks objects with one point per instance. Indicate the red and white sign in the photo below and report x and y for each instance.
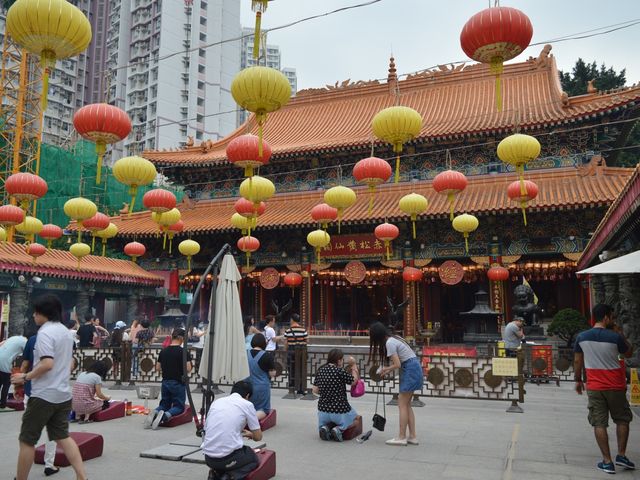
(451, 272)
(269, 278)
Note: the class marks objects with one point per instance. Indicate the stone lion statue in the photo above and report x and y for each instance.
(525, 307)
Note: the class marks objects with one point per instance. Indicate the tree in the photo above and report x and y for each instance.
(575, 83)
(566, 324)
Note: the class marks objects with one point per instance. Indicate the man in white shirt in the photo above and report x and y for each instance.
(50, 401)
(229, 419)
(270, 334)
(9, 350)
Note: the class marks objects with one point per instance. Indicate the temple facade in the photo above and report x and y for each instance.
(318, 137)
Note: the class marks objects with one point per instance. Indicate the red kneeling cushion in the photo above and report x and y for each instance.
(15, 404)
(352, 431)
(268, 421)
(115, 410)
(89, 444)
(266, 468)
(180, 419)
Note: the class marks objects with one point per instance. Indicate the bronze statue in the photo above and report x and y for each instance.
(525, 307)
(395, 312)
(279, 310)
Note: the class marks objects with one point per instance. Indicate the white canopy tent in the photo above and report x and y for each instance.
(629, 263)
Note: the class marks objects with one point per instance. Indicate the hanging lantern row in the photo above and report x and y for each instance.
(159, 201)
(80, 250)
(80, 209)
(35, 250)
(11, 215)
(135, 172)
(25, 187)
(98, 222)
(165, 220)
(450, 183)
(387, 232)
(189, 248)
(340, 198)
(372, 171)
(3, 234)
(413, 205)
(29, 227)
(318, 239)
(248, 245)
(177, 227)
(134, 250)
(498, 273)
(109, 232)
(244, 151)
(324, 215)
(50, 232)
(465, 224)
(103, 124)
(411, 274)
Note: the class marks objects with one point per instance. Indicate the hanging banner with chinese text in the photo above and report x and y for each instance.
(364, 245)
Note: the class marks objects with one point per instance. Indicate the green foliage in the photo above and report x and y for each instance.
(575, 83)
(566, 324)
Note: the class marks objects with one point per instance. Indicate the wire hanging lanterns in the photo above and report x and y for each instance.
(35, 250)
(518, 150)
(94, 224)
(50, 232)
(411, 274)
(53, 29)
(465, 224)
(258, 6)
(372, 171)
(498, 273)
(244, 151)
(159, 200)
(3, 234)
(80, 209)
(514, 192)
(135, 172)
(324, 214)
(396, 125)
(165, 220)
(248, 245)
(340, 198)
(189, 248)
(29, 227)
(413, 205)
(79, 250)
(109, 232)
(292, 280)
(318, 239)
(495, 35)
(25, 187)
(450, 183)
(174, 229)
(387, 232)
(134, 250)
(103, 124)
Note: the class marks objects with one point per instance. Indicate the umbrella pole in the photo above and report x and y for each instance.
(208, 394)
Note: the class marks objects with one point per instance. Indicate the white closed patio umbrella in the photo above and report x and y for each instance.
(229, 354)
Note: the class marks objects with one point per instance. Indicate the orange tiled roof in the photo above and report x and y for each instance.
(453, 103)
(61, 264)
(559, 189)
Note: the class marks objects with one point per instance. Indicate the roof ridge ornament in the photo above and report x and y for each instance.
(392, 77)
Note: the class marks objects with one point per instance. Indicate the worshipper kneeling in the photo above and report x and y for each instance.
(87, 397)
(173, 392)
(262, 368)
(229, 419)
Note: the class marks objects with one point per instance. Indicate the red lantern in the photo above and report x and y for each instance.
(494, 36)
(159, 200)
(177, 227)
(35, 250)
(25, 187)
(50, 232)
(372, 171)
(324, 214)
(104, 124)
(94, 224)
(11, 215)
(450, 183)
(498, 274)
(386, 232)
(244, 151)
(248, 209)
(293, 279)
(248, 245)
(522, 192)
(411, 274)
(134, 250)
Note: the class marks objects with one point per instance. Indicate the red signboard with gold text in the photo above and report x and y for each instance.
(445, 351)
(364, 245)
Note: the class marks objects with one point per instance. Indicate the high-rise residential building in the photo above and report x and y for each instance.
(269, 57)
(172, 85)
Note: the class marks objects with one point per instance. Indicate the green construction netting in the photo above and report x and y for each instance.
(71, 172)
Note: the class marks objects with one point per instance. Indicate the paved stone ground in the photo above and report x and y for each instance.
(459, 439)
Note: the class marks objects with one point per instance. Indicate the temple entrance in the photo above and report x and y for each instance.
(453, 300)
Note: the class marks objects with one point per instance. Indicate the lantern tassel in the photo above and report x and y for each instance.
(386, 244)
(248, 254)
(397, 176)
(132, 192)
(318, 256)
(93, 243)
(466, 242)
(79, 231)
(496, 68)
(261, 118)
(49, 244)
(248, 172)
(189, 262)
(256, 36)
(101, 149)
(164, 241)
(170, 244)
(104, 248)
(372, 193)
(339, 219)
(413, 228)
(523, 206)
(450, 197)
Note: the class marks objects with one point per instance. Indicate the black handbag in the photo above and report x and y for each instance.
(379, 421)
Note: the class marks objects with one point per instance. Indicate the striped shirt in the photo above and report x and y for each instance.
(296, 335)
(601, 348)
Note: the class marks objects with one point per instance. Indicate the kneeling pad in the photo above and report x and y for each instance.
(115, 410)
(17, 405)
(268, 421)
(180, 419)
(266, 467)
(353, 430)
(89, 444)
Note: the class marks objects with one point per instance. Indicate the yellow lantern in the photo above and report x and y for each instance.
(260, 90)
(518, 150)
(318, 239)
(135, 172)
(413, 204)
(165, 220)
(29, 227)
(80, 250)
(3, 234)
(189, 248)
(465, 224)
(397, 125)
(243, 223)
(50, 28)
(80, 209)
(257, 189)
(109, 232)
(340, 198)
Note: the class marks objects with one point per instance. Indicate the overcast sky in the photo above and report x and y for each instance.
(356, 44)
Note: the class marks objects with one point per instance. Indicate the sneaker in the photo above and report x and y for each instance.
(398, 442)
(336, 434)
(607, 467)
(623, 461)
(325, 434)
(148, 421)
(157, 420)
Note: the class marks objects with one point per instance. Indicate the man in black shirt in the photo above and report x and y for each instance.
(87, 333)
(173, 388)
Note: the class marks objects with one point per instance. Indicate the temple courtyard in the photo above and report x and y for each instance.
(459, 439)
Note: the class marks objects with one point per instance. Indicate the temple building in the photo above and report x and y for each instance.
(322, 132)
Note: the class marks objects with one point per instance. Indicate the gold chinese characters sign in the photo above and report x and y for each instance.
(450, 272)
(364, 245)
(504, 367)
(355, 271)
(269, 278)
